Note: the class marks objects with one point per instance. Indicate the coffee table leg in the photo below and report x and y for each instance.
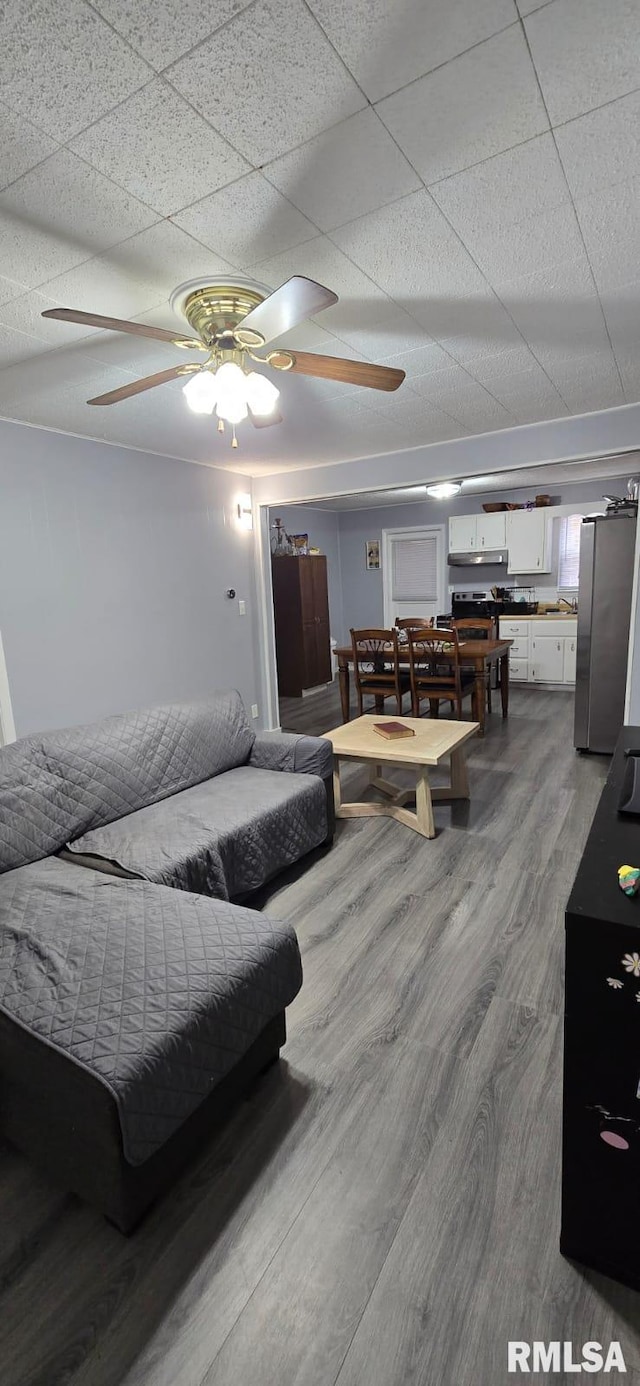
(424, 807)
(459, 775)
(337, 797)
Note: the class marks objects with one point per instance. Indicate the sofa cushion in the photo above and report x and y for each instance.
(224, 838)
(155, 992)
(59, 784)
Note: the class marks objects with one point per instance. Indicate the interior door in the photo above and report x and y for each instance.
(414, 572)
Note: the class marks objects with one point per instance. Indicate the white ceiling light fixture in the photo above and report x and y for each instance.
(232, 392)
(441, 490)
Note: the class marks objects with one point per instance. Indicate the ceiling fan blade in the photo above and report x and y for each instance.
(264, 420)
(287, 306)
(350, 372)
(138, 329)
(135, 387)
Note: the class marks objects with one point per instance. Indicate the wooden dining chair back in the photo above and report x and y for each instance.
(477, 628)
(414, 623)
(436, 672)
(376, 666)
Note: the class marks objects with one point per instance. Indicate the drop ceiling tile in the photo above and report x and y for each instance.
(609, 224)
(138, 274)
(246, 222)
(629, 367)
(83, 68)
(464, 399)
(588, 383)
(24, 315)
(526, 7)
(558, 312)
(602, 147)
(60, 214)
(386, 46)
(527, 391)
(289, 81)
(621, 307)
(172, 152)
(394, 331)
(348, 170)
(21, 145)
(479, 104)
(420, 360)
(411, 252)
(152, 26)
(585, 53)
(18, 346)
(495, 370)
(9, 289)
(471, 326)
(537, 243)
(515, 185)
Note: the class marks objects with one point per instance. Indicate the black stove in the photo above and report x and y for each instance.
(474, 603)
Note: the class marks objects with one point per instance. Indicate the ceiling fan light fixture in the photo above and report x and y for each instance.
(442, 490)
(231, 393)
(201, 392)
(261, 394)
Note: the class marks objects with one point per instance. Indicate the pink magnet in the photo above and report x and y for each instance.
(612, 1138)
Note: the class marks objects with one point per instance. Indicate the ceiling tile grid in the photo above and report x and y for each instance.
(288, 81)
(246, 222)
(465, 176)
(170, 149)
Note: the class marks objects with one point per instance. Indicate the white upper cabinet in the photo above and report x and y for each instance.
(528, 541)
(463, 536)
(491, 530)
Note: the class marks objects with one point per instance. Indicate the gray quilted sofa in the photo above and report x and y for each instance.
(138, 997)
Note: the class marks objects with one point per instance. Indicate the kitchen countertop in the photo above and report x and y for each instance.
(541, 616)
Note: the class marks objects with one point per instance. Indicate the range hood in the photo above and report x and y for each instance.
(478, 558)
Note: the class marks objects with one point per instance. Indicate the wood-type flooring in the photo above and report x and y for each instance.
(384, 1210)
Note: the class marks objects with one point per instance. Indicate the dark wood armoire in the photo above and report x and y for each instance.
(301, 607)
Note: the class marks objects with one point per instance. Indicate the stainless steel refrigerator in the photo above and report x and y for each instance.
(607, 548)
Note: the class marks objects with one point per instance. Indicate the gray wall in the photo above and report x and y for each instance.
(113, 568)
(362, 590)
(323, 530)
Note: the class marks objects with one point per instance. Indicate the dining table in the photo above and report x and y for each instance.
(478, 655)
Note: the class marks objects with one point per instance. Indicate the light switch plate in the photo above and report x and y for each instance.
(254, 709)
(242, 607)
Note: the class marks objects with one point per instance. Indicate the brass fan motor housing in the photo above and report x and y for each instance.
(218, 310)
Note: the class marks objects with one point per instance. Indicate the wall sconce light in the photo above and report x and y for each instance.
(245, 512)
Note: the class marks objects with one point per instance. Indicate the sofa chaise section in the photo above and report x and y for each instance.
(131, 1015)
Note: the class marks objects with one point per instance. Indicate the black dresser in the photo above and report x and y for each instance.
(601, 1122)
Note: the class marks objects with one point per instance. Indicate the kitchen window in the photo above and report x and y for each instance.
(569, 552)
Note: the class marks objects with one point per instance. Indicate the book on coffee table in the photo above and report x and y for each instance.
(392, 730)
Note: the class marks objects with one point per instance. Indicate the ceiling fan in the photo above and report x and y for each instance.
(231, 321)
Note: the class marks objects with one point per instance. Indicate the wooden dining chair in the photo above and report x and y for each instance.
(434, 678)
(477, 628)
(376, 667)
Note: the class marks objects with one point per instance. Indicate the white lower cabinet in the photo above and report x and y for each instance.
(570, 647)
(542, 651)
(546, 659)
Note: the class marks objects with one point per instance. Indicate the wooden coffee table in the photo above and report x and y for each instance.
(433, 742)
